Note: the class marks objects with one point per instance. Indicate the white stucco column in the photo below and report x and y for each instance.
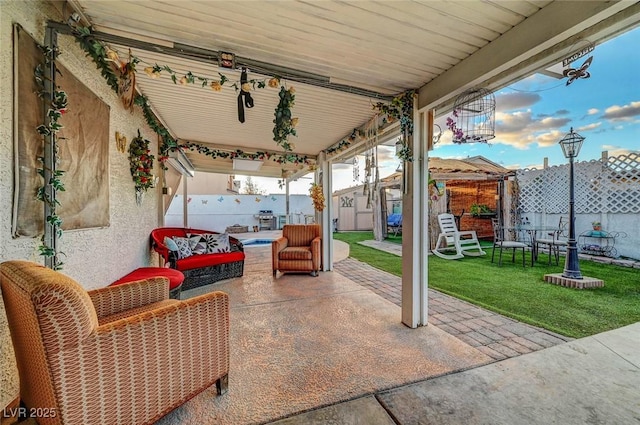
(324, 177)
(415, 237)
(185, 202)
(286, 197)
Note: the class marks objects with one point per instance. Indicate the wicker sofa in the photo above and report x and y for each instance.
(120, 354)
(199, 269)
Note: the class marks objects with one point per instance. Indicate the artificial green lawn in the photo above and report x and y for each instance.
(522, 293)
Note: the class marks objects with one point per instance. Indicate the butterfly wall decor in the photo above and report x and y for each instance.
(575, 73)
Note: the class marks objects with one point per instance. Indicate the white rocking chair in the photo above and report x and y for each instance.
(456, 244)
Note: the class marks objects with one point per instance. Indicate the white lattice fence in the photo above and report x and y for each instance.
(623, 180)
(531, 185)
(601, 187)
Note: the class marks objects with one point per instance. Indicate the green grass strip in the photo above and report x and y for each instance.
(521, 293)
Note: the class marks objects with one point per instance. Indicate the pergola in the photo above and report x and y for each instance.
(341, 57)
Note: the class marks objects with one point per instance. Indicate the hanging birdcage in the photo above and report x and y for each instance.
(474, 113)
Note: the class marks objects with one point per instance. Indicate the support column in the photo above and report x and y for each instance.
(185, 202)
(415, 234)
(286, 200)
(324, 177)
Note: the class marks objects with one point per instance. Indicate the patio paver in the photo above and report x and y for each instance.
(495, 335)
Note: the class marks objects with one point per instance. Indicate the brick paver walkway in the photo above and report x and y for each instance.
(495, 335)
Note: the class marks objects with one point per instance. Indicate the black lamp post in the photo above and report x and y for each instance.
(571, 144)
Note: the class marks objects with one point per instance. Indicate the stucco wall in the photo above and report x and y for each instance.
(217, 212)
(94, 257)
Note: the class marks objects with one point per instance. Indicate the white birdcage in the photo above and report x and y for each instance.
(473, 119)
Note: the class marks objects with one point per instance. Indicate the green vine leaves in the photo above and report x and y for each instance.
(285, 123)
(401, 108)
(56, 109)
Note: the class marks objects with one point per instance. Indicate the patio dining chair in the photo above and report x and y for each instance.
(499, 242)
(554, 240)
(453, 244)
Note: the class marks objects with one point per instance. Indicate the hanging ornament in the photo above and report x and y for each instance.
(141, 166)
(574, 74)
(127, 82)
(356, 169)
(244, 97)
(473, 119)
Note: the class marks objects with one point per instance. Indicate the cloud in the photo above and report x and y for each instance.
(550, 123)
(513, 122)
(517, 100)
(593, 111)
(550, 138)
(617, 150)
(589, 127)
(622, 113)
(341, 166)
(386, 153)
(563, 112)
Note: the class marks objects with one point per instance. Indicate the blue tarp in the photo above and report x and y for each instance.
(394, 220)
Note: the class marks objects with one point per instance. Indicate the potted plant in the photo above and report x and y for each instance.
(481, 210)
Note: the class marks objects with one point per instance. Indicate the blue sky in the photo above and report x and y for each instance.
(533, 114)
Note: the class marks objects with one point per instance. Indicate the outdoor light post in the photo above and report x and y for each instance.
(571, 144)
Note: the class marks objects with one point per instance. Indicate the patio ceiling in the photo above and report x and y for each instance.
(341, 57)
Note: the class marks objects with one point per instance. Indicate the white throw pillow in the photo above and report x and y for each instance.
(197, 243)
(217, 242)
(184, 247)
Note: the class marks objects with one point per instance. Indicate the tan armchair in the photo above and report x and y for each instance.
(114, 355)
(298, 250)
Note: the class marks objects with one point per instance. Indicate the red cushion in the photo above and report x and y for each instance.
(175, 276)
(205, 260)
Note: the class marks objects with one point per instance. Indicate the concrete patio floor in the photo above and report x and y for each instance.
(300, 342)
(328, 350)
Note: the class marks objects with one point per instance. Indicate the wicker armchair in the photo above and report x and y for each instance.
(121, 354)
(298, 250)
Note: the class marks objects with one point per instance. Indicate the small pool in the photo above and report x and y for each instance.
(256, 242)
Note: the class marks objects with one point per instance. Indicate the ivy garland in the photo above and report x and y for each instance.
(56, 109)
(345, 143)
(284, 124)
(98, 53)
(401, 108)
(141, 163)
(259, 156)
